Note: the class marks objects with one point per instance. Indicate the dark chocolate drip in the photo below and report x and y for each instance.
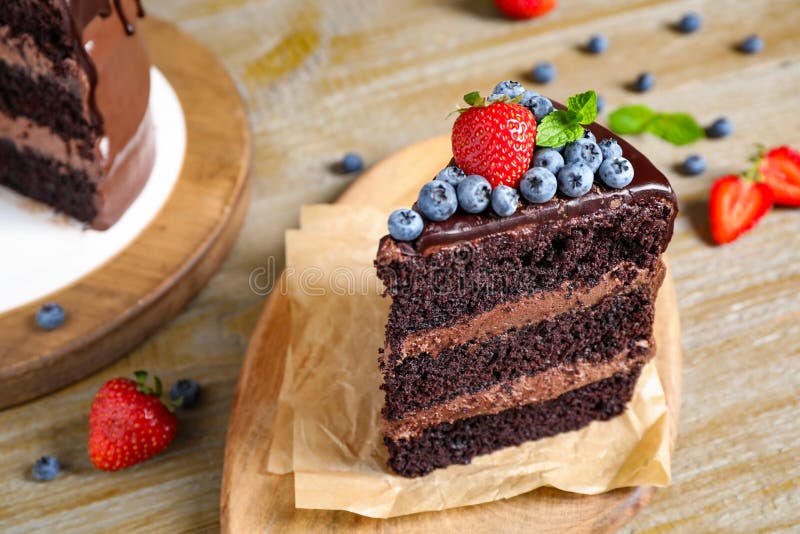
(80, 14)
(648, 182)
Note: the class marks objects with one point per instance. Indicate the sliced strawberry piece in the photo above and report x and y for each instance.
(780, 168)
(524, 9)
(736, 205)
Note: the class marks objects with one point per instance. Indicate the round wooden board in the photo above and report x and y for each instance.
(254, 500)
(126, 300)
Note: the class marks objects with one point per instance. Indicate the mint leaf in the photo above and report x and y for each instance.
(631, 119)
(584, 106)
(558, 128)
(677, 128)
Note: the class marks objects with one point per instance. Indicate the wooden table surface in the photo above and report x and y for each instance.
(322, 78)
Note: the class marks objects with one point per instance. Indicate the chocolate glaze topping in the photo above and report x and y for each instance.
(648, 182)
(81, 13)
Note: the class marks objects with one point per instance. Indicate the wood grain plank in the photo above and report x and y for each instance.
(385, 75)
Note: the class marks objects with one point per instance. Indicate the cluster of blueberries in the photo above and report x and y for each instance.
(570, 169)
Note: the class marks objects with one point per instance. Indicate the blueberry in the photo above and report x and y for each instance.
(509, 88)
(601, 103)
(583, 151)
(644, 82)
(548, 158)
(752, 44)
(575, 179)
(50, 316)
(46, 468)
(352, 162)
(597, 44)
(721, 127)
(437, 200)
(505, 200)
(693, 165)
(587, 134)
(189, 390)
(539, 105)
(451, 174)
(544, 72)
(690, 23)
(538, 185)
(616, 172)
(610, 148)
(474, 194)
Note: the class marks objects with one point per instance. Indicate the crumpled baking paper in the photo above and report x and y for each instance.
(327, 429)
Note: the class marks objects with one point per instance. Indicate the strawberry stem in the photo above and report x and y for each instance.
(753, 174)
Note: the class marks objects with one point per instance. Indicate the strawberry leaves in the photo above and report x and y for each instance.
(564, 126)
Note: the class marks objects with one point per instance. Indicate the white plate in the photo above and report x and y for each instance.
(43, 252)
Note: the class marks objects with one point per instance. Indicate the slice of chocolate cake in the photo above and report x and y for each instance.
(75, 132)
(505, 329)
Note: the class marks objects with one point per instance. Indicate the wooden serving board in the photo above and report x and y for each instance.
(254, 500)
(126, 300)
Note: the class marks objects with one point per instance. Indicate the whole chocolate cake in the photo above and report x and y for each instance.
(522, 300)
(75, 132)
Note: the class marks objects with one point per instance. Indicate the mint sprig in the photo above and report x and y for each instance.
(676, 128)
(564, 126)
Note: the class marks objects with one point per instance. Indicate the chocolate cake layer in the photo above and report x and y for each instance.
(592, 335)
(473, 277)
(47, 181)
(458, 442)
(518, 313)
(526, 389)
(45, 102)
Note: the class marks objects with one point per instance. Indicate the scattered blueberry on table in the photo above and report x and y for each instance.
(644, 82)
(50, 316)
(575, 180)
(722, 127)
(544, 72)
(46, 468)
(474, 194)
(601, 103)
(597, 44)
(352, 162)
(616, 172)
(504, 200)
(690, 23)
(186, 389)
(693, 165)
(752, 44)
(437, 200)
(538, 185)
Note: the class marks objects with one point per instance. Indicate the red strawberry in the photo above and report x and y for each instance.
(524, 9)
(736, 205)
(495, 141)
(780, 168)
(128, 423)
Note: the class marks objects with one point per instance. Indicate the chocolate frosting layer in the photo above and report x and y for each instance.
(517, 314)
(81, 14)
(522, 391)
(648, 182)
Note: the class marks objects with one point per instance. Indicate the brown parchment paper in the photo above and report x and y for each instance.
(327, 428)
